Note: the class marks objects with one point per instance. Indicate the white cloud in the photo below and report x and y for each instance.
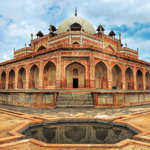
(21, 17)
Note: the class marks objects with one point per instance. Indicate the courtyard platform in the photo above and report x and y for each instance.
(14, 118)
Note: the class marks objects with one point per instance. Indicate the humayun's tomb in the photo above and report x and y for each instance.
(75, 65)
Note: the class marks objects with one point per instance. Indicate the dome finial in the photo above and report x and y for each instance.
(76, 12)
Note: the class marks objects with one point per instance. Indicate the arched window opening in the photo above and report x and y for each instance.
(75, 27)
(75, 72)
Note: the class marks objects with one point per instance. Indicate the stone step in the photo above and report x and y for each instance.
(74, 100)
(70, 99)
(74, 106)
(74, 103)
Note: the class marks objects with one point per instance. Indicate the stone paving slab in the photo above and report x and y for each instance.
(79, 112)
(7, 123)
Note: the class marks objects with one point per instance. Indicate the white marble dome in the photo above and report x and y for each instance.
(86, 26)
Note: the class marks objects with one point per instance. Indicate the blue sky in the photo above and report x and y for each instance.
(20, 18)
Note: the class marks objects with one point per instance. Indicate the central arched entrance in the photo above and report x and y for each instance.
(75, 75)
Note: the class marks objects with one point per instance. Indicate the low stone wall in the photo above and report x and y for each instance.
(47, 99)
(120, 99)
(28, 99)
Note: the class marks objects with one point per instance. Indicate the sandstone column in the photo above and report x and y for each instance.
(144, 79)
(123, 79)
(7, 78)
(58, 71)
(134, 78)
(109, 75)
(27, 77)
(41, 75)
(16, 78)
(92, 71)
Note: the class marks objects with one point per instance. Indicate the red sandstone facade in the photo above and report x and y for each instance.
(75, 58)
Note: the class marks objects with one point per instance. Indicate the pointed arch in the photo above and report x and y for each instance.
(110, 48)
(147, 78)
(3, 80)
(101, 80)
(75, 75)
(75, 27)
(11, 82)
(41, 48)
(116, 77)
(21, 78)
(76, 43)
(139, 79)
(129, 78)
(34, 77)
(49, 75)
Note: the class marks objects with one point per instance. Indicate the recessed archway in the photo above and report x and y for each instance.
(147, 78)
(34, 77)
(129, 79)
(21, 78)
(41, 48)
(75, 75)
(139, 79)
(101, 75)
(116, 77)
(11, 82)
(3, 80)
(49, 75)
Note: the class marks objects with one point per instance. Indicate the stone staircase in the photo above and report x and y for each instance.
(74, 100)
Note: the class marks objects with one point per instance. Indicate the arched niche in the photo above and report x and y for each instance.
(129, 79)
(49, 75)
(11, 81)
(75, 75)
(41, 48)
(34, 77)
(101, 80)
(116, 77)
(21, 78)
(139, 79)
(147, 78)
(3, 80)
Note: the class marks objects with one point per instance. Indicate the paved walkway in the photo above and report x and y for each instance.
(80, 112)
